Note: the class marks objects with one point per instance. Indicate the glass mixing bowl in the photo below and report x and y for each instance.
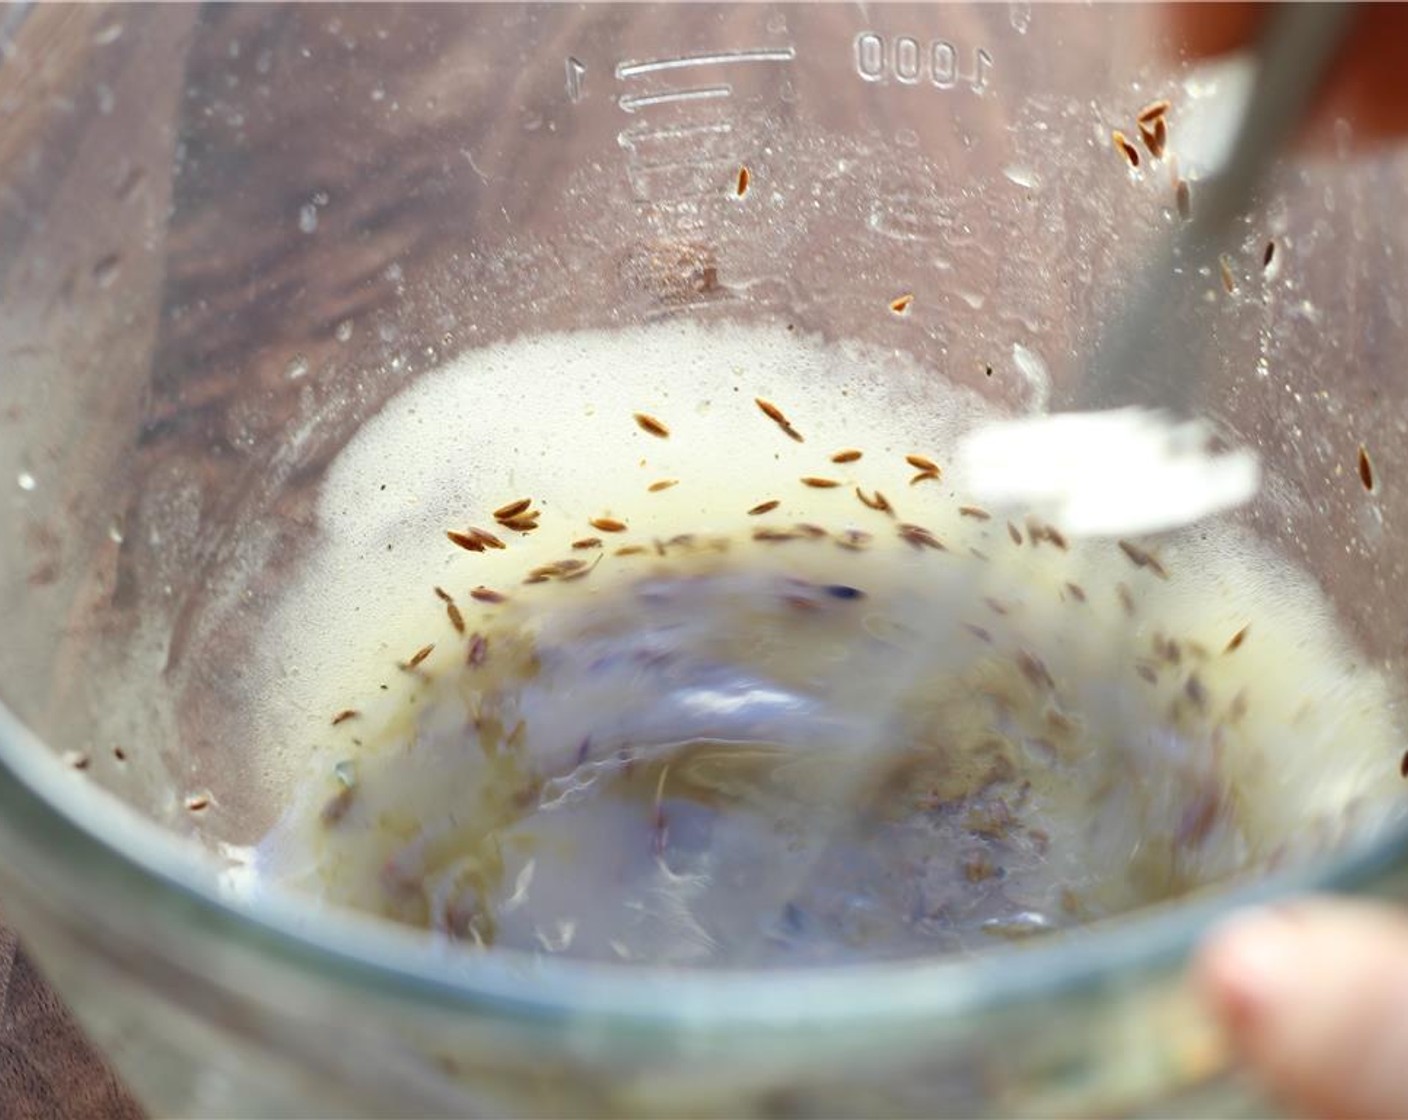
(230, 234)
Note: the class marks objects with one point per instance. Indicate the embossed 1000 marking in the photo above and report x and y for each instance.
(907, 60)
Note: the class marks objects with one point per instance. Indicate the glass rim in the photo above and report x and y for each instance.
(79, 825)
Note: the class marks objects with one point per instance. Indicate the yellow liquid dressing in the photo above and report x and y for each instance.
(817, 733)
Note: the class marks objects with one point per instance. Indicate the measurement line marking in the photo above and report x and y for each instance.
(654, 65)
(643, 133)
(704, 162)
(646, 101)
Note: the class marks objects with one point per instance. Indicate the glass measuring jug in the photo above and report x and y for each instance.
(234, 235)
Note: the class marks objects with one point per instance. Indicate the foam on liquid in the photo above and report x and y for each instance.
(1291, 733)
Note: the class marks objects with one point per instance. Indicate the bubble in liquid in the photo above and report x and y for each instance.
(343, 331)
(308, 217)
(27, 482)
(297, 367)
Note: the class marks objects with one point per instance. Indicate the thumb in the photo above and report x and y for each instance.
(1314, 997)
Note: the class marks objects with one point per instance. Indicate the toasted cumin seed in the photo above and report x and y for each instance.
(1153, 111)
(484, 594)
(651, 426)
(1229, 282)
(1155, 137)
(775, 414)
(1034, 669)
(850, 455)
(1366, 469)
(1125, 148)
(1141, 558)
(920, 537)
(1041, 531)
(465, 541)
(486, 538)
(512, 509)
(608, 524)
(1183, 199)
(878, 502)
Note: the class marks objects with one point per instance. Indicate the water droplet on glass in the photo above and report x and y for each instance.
(1033, 370)
(308, 217)
(105, 270)
(115, 532)
(343, 331)
(1022, 176)
(296, 368)
(378, 93)
(27, 481)
(320, 198)
(1020, 14)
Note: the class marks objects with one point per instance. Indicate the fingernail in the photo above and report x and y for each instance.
(1251, 962)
